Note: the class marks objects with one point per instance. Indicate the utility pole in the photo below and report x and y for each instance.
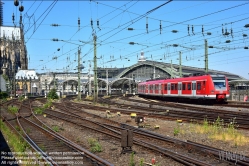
(154, 72)
(206, 56)
(54, 79)
(180, 63)
(95, 70)
(171, 69)
(79, 68)
(89, 80)
(107, 84)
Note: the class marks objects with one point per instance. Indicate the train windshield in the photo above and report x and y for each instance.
(219, 83)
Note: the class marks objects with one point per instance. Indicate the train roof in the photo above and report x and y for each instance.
(180, 79)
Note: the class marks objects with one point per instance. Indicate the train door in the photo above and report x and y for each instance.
(168, 91)
(179, 88)
(194, 88)
(162, 88)
(153, 89)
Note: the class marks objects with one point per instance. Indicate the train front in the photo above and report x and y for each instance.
(221, 88)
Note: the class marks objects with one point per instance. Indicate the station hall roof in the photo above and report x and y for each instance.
(186, 70)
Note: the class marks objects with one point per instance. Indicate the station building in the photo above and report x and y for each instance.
(123, 80)
(115, 80)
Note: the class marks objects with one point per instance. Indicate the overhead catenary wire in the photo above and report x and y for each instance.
(195, 29)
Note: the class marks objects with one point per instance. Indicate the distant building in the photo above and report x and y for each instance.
(13, 51)
(1, 13)
(27, 82)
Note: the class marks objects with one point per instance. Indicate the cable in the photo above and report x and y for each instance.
(42, 20)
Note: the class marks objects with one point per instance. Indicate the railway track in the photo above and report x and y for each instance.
(235, 104)
(80, 118)
(56, 149)
(183, 112)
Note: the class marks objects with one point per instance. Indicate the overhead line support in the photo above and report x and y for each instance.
(95, 70)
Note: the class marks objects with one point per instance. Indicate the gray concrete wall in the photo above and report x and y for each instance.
(2, 84)
(238, 95)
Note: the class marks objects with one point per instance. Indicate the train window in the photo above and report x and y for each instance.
(193, 86)
(168, 86)
(165, 86)
(176, 87)
(172, 87)
(183, 86)
(189, 86)
(198, 86)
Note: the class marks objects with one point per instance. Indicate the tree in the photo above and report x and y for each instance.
(52, 94)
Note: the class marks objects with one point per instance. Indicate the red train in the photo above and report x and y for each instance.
(205, 87)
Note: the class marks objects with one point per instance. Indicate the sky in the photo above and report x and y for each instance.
(205, 20)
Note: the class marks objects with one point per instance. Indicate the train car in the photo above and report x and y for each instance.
(205, 87)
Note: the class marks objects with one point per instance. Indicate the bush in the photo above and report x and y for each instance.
(21, 98)
(38, 110)
(52, 94)
(95, 145)
(3, 95)
(13, 109)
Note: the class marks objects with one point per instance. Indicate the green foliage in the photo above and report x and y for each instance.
(3, 95)
(17, 143)
(52, 94)
(13, 109)
(5, 77)
(42, 147)
(95, 145)
(89, 98)
(55, 128)
(231, 127)
(132, 162)
(38, 110)
(141, 162)
(177, 129)
(205, 124)
(47, 104)
(218, 125)
(17, 128)
(21, 98)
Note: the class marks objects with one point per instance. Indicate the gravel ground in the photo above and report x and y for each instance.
(112, 148)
